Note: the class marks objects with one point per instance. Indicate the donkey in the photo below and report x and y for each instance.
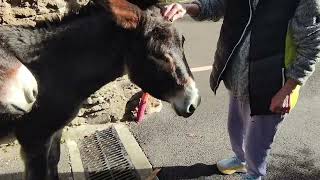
(75, 58)
(18, 87)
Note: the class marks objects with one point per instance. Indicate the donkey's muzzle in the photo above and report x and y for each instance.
(193, 107)
(190, 108)
(19, 92)
(187, 101)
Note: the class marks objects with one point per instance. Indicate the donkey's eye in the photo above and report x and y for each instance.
(158, 56)
(163, 57)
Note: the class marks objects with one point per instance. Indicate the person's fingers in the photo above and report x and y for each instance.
(167, 9)
(289, 103)
(179, 14)
(286, 105)
(175, 9)
(285, 109)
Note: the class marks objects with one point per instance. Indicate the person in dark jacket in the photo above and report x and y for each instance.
(267, 49)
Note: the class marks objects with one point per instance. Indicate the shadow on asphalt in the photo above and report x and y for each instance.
(188, 172)
(294, 170)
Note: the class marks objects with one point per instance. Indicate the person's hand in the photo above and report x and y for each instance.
(280, 102)
(174, 11)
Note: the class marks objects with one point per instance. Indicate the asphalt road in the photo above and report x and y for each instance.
(189, 148)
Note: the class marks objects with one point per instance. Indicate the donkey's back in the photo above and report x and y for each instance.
(71, 36)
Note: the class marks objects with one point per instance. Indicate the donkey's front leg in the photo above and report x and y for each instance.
(40, 162)
(35, 158)
(54, 155)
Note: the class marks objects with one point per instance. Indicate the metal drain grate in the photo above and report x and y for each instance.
(104, 157)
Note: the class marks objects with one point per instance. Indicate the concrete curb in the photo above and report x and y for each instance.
(75, 161)
(136, 155)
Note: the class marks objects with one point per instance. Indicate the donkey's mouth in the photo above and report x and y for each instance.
(185, 113)
(179, 113)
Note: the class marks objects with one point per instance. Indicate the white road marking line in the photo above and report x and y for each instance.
(201, 68)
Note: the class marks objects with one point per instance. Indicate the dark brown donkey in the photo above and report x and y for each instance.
(18, 87)
(74, 59)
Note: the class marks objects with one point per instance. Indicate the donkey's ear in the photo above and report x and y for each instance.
(125, 14)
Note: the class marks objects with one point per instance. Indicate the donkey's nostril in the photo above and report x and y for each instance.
(191, 109)
(31, 95)
(35, 93)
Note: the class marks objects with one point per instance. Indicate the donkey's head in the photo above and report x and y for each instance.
(18, 87)
(156, 60)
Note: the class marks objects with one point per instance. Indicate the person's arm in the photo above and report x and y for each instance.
(305, 27)
(198, 9)
(193, 9)
(210, 9)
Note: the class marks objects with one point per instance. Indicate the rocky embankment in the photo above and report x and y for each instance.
(34, 12)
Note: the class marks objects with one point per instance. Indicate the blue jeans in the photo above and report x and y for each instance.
(251, 136)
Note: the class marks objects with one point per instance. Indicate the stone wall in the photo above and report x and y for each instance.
(33, 12)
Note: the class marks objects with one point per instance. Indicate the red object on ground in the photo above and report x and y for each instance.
(142, 107)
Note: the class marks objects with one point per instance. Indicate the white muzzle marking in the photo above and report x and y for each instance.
(19, 93)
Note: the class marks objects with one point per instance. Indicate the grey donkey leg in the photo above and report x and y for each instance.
(35, 158)
(41, 157)
(54, 156)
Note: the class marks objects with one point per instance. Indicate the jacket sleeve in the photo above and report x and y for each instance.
(210, 9)
(305, 27)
